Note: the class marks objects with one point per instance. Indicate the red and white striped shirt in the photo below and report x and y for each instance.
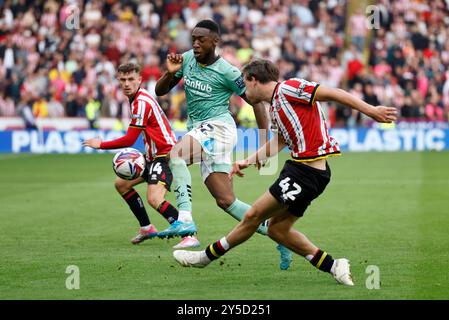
(147, 115)
(301, 120)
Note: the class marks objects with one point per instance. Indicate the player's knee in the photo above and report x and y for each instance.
(180, 152)
(253, 217)
(122, 186)
(224, 202)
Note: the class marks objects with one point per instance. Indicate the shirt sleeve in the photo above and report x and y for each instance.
(179, 73)
(299, 91)
(123, 142)
(234, 80)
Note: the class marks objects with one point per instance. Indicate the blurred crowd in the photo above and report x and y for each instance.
(58, 58)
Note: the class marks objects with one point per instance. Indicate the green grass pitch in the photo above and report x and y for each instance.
(389, 210)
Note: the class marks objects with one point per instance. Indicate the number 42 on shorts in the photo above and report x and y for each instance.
(289, 191)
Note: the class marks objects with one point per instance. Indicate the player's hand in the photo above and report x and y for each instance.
(174, 62)
(261, 164)
(93, 143)
(237, 168)
(384, 114)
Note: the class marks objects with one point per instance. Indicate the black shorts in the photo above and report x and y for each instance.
(157, 171)
(298, 184)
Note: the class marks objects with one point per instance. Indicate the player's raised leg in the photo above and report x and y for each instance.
(126, 189)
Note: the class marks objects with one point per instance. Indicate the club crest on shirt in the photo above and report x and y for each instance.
(239, 82)
(301, 88)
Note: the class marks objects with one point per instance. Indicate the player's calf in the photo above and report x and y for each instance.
(168, 211)
(135, 203)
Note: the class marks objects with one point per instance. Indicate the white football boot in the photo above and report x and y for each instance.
(341, 272)
(197, 259)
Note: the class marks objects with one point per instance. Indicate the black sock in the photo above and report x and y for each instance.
(136, 205)
(322, 260)
(169, 212)
(215, 250)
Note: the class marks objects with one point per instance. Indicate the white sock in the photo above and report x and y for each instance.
(224, 243)
(309, 257)
(146, 228)
(185, 216)
(204, 257)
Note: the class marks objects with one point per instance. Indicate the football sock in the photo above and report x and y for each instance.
(322, 260)
(185, 216)
(238, 209)
(182, 182)
(136, 205)
(217, 249)
(168, 212)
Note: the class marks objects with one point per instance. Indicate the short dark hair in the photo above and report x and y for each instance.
(262, 70)
(129, 67)
(210, 25)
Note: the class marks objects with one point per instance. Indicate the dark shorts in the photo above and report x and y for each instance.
(157, 171)
(298, 184)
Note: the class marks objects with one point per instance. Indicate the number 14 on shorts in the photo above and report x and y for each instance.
(156, 167)
(289, 191)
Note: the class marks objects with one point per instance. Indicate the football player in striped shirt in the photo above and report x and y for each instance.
(148, 119)
(296, 112)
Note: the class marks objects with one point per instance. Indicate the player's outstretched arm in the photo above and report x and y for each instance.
(168, 79)
(123, 142)
(379, 113)
(269, 149)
